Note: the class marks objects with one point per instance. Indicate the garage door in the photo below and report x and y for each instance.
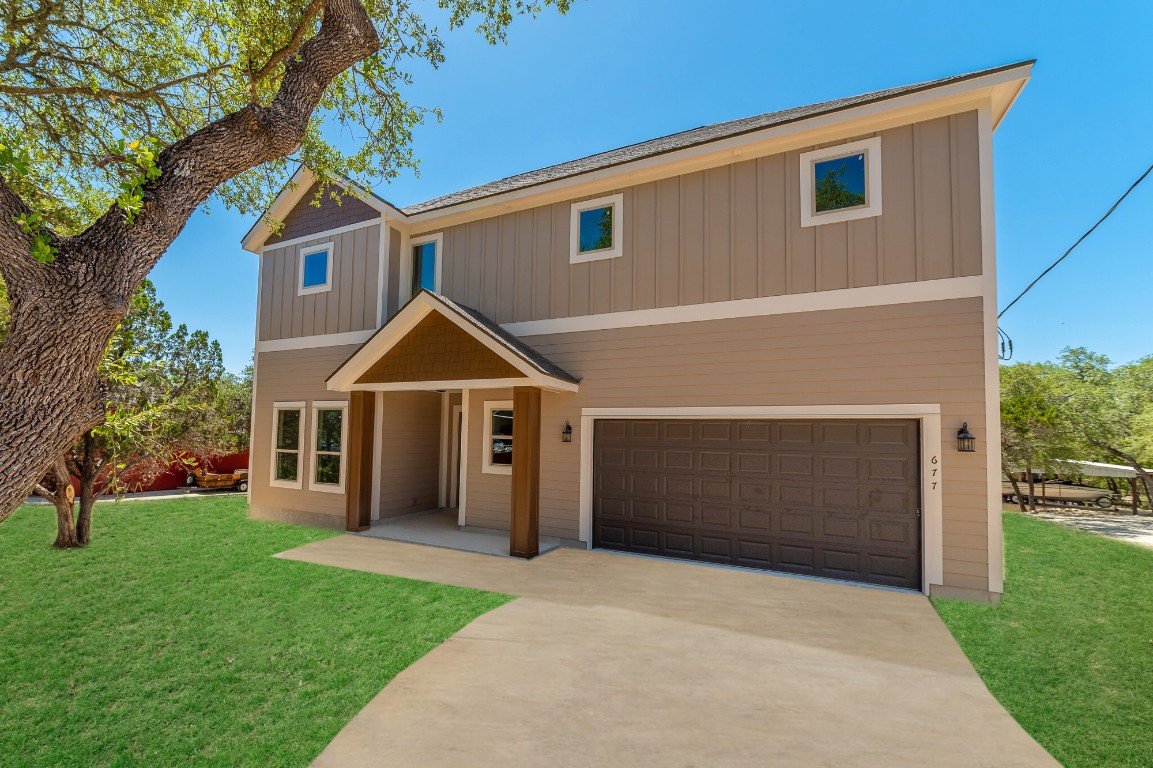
(832, 498)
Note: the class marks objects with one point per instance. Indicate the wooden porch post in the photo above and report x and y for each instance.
(358, 487)
(524, 531)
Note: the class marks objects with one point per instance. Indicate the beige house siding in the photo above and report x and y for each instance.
(488, 497)
(292, 376)
(733, 233)
(351, 304)
(916, 353)
(409, 453)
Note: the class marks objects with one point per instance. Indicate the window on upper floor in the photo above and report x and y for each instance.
(424, 267)
(287, 424)
(841, 183)
(596, 229)
(498, 437)
(315, 269)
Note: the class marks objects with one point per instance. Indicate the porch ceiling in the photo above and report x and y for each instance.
(434, 343)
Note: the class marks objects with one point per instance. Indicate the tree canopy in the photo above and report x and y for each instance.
(119, 120)
(89, 89)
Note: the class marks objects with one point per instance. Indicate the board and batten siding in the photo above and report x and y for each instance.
(930, 352)
(733, 232)
(351, 303)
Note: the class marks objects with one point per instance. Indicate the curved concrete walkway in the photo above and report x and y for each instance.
(611, 660)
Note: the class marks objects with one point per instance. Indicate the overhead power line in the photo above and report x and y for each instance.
(1050, 268)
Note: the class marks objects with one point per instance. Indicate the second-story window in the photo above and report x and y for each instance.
(596, 229)
(424, 269)
(315, 269)
(841, 183)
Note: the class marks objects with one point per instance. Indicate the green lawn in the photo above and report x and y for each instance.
(176, 639)
(1069, 651)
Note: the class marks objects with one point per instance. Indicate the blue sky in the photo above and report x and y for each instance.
(613, 72)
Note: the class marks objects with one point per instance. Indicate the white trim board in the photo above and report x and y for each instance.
(815, 301)
(996, 546)
(312, 342)
(319, 235)
(932, 483)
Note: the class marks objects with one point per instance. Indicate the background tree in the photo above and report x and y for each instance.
(163, 383)
(1032, 435)
(120, 119)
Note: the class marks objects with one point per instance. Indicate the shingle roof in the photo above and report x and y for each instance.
(524, 351)
(682, 140)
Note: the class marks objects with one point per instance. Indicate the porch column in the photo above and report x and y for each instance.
(524, 531)
(358, 486)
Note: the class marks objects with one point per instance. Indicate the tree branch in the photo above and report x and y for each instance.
(149, 93)
(310, 13)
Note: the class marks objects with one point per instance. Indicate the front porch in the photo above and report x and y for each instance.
(440, 528)
(436, 347)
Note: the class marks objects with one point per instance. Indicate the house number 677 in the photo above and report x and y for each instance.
(935, 469)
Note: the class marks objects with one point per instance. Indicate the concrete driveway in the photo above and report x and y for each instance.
(611, 660)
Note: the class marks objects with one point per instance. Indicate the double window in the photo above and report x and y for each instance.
(425, 263)
(498, 437)
(326, 467)
(596, 227)
(315, 269)
(841, 183)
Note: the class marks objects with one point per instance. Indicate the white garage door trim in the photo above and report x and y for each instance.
(932, 464)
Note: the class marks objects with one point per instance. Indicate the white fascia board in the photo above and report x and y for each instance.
(966, 94)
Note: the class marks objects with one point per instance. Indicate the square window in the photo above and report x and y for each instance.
(596, 229)
(315, 269)
(841, 183)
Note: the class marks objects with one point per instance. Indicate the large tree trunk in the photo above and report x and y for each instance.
(90, 466)
(63, 313)
(57, 488)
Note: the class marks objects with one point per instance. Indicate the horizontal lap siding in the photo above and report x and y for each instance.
(917, 353)
(409, 453)
(733, 232)
(488, 497)
(293, 376)
(351, 303)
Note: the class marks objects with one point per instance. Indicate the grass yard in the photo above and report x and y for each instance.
(1069, 651)
(176, 639)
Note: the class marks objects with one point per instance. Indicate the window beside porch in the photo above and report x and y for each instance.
(328, 449)
(498, 437)
(287, 421)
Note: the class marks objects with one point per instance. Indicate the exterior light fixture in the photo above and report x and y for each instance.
(566, 433)
(965, 439)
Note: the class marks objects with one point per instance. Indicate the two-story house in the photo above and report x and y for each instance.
(754, 343)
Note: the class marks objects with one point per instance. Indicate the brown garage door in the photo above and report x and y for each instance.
(836, 498)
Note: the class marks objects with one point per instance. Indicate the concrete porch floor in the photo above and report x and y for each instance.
(439, 528)
(612, 660)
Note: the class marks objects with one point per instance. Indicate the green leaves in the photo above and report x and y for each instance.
(140, 158)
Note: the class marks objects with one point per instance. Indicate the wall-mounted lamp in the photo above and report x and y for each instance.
(566, 433)
(965, 440)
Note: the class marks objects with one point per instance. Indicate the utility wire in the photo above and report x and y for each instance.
(1108, 213)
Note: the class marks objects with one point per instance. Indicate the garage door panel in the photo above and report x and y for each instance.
(834, 498)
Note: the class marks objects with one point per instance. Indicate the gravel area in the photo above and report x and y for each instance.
(1136, 530)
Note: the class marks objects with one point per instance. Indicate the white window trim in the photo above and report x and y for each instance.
(302, 432)
(328, 405)
(406, 262)
(871, 148)
(487, 467)
(327, 284)
(617, 202)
